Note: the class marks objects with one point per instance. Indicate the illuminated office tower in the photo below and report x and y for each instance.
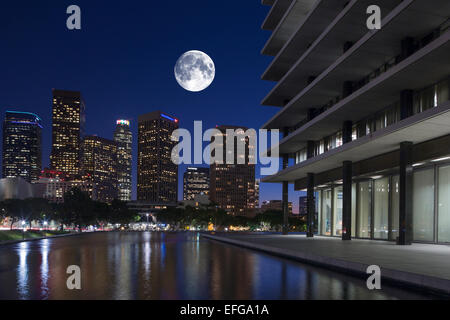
(195, 181)
(22, 152)
(123, 137)
(100, 166)
(157, 174)
(232, 186)
(67, 131)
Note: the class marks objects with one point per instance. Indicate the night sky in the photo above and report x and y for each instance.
(122, 61)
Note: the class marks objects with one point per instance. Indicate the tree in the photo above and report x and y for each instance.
(35, 209)
(13, 209)
(118, 212)
(77, 209)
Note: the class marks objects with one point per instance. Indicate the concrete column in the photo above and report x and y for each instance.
(347, 88)
(310, 149)
(311, 206)
(405, 194)
(347, 45)
(406, 104)
(285, 200)
(311, 114)
(361, 129)
(347, 127)
(407, 47)
(347, 200)
(285, 192)
(311, 79)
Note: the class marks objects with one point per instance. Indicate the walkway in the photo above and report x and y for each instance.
(420, 265)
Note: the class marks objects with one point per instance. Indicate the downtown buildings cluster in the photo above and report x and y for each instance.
(103, 167)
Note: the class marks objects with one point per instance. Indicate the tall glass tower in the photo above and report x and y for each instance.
(22, 151)
(67, 131)
(124, 139)
(157, 174)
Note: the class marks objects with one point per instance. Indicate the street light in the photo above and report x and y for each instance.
(23, 230)
(146, 227)
(45, 225)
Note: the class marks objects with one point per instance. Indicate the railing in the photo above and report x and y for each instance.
(418, 44)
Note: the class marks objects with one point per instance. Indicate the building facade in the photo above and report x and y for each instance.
(124, 139)
(16, 188)
(274, 205)
(54, 189)
(195, 181)
(22, 148)
(365, 116)
(100, 167)
(68, 116)
(157, 174)
(52, 185)
(232, 185)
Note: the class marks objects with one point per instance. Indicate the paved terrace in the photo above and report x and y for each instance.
(419, 265)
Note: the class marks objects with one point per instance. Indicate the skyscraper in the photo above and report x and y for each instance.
(123, 137)
(232, 186)
(67, 131)
(22, 151)
(195, 181)
(100, 166)
(157, 174)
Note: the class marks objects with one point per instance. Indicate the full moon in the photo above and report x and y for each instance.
(195, 71)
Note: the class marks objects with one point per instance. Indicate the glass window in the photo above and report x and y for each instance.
(395, 207)
(317, 202)
(423, 205)
(326, 213)
(354, 210)
(365, 206)
(381, 209)
(337, 216)
(442, 92)
(444, 205)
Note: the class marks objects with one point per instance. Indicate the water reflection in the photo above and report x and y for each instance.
(22, 270)
(45, 246)
(167, 266)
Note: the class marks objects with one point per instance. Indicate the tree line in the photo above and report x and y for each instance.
(77, 210)
(182, 218)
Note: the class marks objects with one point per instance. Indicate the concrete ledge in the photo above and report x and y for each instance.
(3, 243)
(414, 280)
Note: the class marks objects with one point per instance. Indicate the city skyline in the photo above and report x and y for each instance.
(122, 77)
(77, 99)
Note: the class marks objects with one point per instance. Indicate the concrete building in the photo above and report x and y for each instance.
(53, 189)
(199, 200)
(22, 147)
(99, 165)
(157, 174)
(68, 117)
(195, 181)
(232, 186)
(15, 188)
(274, 205)
(124, 139)
(365, 115)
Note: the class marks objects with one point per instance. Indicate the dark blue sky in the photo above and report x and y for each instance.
(123, 58)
